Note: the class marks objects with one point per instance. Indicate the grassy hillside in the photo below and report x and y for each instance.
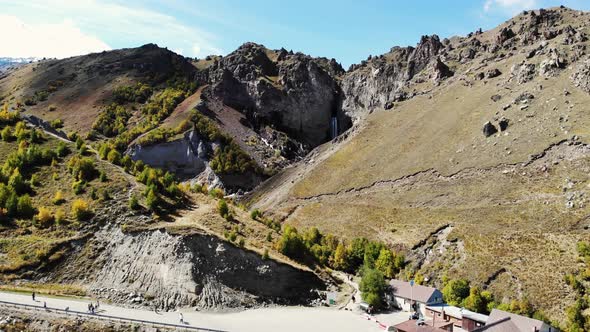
(504, 211)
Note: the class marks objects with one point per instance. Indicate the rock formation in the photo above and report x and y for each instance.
(379, 81)
(295, 93)
(581, 76)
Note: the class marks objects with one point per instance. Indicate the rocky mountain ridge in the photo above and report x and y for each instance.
(469, 153)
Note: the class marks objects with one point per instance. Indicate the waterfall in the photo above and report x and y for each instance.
(333, 127)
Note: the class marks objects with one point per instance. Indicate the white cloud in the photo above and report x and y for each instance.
(119, 23)
(510, 6)
(57, 40)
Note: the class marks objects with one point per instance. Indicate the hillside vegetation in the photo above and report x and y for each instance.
(505, 211)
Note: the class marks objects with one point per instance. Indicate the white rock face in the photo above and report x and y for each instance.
(186, 157)
(156, 268)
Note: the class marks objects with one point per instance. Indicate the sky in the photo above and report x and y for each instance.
(347, 30)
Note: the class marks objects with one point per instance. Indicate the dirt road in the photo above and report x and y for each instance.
(284, 319)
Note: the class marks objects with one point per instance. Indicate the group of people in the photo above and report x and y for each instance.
(34, 296)
(92, 308)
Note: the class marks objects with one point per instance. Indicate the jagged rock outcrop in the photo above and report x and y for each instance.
(581, 76)
(552, 65)
(523, 72)
(295, 93)
(380, 81)
(439, 70)
(504, 35)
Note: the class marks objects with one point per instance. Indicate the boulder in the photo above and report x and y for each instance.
(504, 35)
(523, 72)
(491, 73)
(489, 129)
(581, 76)
(439, 70)
(552, 65)
(503, 124)
(523, 98)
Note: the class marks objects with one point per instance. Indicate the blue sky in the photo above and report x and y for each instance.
(346, 30)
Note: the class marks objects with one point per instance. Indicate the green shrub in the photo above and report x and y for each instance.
(112, 120)
(62, 149)
(8, 117)
(105, 195)
(163, 103)
(11, 204)
(34, 181)
(138, 93)
(7, 134)
(372, 287)
(265, 254)
(81, 210)
(35, 136)
(134, 203)
(57, 123)
(93, 194)
(291, 243)
(82, 168)
(60, 217)
(222, 208)
(78, 186)
(230, 158)
(114, 157)
(152, 200)
(25, 207)
(102, 177)
(217, 193)
(79, 142)
(241, 242)
(455, 291)
(58, 198)
(44, 218)
(255, 214)
(197, 188)
(16, 182)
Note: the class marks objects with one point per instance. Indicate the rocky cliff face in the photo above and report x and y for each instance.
(294, 93)
(379, 81)
(185, 157)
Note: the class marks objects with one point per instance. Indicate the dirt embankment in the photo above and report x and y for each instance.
(158, 269)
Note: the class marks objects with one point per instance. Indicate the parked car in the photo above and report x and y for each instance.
(364, 306)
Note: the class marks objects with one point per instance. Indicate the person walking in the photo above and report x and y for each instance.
(33, 295)
(181, 318)
(44, 305)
